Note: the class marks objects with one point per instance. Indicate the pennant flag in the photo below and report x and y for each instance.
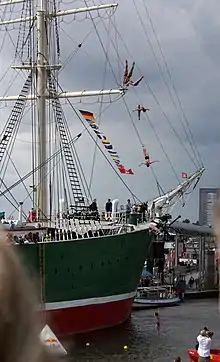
(184, 175)
(49, 339)
(89, 117)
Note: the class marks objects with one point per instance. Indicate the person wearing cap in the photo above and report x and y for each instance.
(197, 343)
(204, 345)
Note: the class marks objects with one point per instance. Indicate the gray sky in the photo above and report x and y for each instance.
(188, 33)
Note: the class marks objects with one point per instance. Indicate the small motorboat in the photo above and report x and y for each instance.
(155, 297)
(214, 355)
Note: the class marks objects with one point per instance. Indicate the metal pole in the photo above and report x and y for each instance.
(200, 258)
(204, 257)
(41, 81)
(176, 250)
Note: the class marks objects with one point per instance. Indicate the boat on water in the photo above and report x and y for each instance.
(214, 355)
(87, 269)
(155, 297)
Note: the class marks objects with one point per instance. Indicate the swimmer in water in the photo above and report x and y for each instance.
(157, 325)
(177, 359)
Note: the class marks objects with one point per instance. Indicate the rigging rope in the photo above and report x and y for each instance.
(158, 104)
(115, 45)
(159, 186)
(30, 192)
(8, 189)
(100, 149)
(128, 111)
(107, 59)
(16, 170)
(127, 108)
(171, 79)
(79, 46)
(170, 94)
(134, 125)
(100, 111)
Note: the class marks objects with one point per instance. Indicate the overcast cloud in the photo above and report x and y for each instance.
(189, 33)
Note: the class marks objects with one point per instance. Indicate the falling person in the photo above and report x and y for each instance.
(147, 162)
(128, 76)
(140, 109)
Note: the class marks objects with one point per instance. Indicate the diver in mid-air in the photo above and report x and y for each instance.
(140, 109)
(128, 76)
(147, 162)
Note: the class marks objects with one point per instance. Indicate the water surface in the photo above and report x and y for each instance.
(179, 327)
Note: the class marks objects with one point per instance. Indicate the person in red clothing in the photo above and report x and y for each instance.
(32, 215)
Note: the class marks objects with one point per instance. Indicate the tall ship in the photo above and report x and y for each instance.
(87, 266)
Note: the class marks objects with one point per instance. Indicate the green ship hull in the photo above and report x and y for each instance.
(88, 284)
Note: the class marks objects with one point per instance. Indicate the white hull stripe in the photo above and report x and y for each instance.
(89, 301)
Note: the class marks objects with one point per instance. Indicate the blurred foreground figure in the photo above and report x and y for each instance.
(19, 322)
(217, 231)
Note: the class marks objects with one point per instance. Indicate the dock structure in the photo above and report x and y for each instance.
(200, 243)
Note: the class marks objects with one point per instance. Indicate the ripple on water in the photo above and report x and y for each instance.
(179, 328)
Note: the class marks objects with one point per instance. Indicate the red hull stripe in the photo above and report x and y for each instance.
(88, 301)
(90, 317)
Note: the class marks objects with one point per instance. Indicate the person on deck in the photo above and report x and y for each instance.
(32, 215)
(128, 209)
(108, 209)
(93, 207)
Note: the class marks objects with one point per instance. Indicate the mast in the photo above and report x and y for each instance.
(41, 85)
(42, 21)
